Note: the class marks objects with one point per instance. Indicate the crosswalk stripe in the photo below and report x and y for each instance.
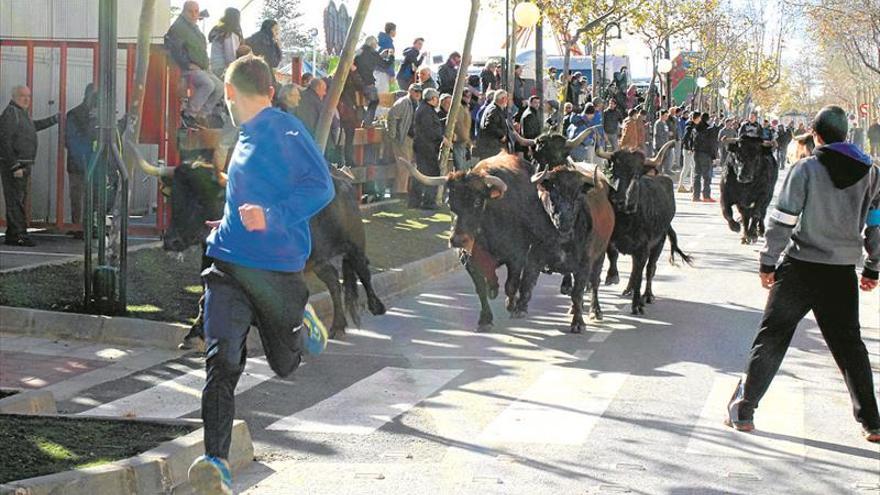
(365, 406)
(780, 423)
(179, 396)
(561, 407)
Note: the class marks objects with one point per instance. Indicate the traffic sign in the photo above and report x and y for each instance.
(863, 109)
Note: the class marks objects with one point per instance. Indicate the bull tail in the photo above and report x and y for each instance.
(350, 286)
(674, 249)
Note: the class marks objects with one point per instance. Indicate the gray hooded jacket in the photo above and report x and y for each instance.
(828, 209)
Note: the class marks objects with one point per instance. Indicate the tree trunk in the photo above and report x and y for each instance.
(460, 81)
(346, 58)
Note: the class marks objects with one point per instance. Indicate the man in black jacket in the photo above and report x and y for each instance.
(309, 109)
(494, 133)
(530, 123)
(367, 61)
(412, 58)
(611, 119)
(874, 138)
(705, 146)
(448, 73)
(428, 130)
(265, 43)
(18, 149)
(80, 132)
(488, 80)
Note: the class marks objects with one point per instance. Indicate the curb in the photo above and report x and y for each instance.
(124, 331)
(160, 470)
(29, 402)
(115, 330)
(74, 258)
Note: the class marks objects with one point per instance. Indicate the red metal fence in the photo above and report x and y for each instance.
(161, 82)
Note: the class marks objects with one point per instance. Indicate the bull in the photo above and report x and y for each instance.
(498, 217)
(747, 183)
(198, 195)
(644, 206)
(576, 200)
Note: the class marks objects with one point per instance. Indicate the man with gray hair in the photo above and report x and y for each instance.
(18, 149)
(188, 48)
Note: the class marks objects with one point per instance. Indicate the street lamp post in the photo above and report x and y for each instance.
(605, 51)
(664, 67)
(702, 82)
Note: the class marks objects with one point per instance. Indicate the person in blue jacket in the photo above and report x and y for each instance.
(277, 181)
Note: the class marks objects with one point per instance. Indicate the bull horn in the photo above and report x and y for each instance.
(604, 154)
(658, 159)
(496, 182)
(424, 179)
(729, 140)
(146, 166)
(577, 140)
(802, 137)
(538, 177)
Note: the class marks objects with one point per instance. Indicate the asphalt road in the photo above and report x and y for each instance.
(416, 402)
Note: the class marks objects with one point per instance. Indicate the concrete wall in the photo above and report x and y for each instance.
(67, 20)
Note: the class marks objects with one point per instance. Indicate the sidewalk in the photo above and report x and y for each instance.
(66, 367)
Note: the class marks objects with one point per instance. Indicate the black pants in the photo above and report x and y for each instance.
(429, 164)
(702, 173)
(831, 292)
(235, 297)
(15, 196)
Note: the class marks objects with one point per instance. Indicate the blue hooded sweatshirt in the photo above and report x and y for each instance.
(387, 42)
(276, 165)
(828, 210)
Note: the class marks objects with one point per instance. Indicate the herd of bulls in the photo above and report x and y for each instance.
(561, 219)
(553, 215)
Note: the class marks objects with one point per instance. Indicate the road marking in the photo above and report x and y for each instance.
(365, 406)
(179, 396)
(779, 421)
(561, 407)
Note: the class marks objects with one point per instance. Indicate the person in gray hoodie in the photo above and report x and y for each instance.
(828, 209)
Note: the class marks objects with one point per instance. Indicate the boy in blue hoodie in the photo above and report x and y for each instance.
(277, 180)
(828, 209)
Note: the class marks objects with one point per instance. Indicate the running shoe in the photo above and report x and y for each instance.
(316, 333)
(210, 475)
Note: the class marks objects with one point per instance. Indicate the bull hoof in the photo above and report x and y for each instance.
(565, 290)
(510, 305)
(484, 327)
(577, 327)
(638, 309)
(596, 315)
(376, 307)
(493, 292)
(518, 314)
(628, 292)
(744, 241)
(612, 279)
(649, 298)
(734, 226)
(190, 343)
(336, 333)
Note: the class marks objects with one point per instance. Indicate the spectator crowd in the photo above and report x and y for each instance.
(494, 116)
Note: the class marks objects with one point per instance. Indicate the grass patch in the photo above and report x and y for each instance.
(164, 288)
(44, 445)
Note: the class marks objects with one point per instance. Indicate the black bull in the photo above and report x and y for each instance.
(499, 219)
(644, 207)
(197, 196)
(747, 183)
